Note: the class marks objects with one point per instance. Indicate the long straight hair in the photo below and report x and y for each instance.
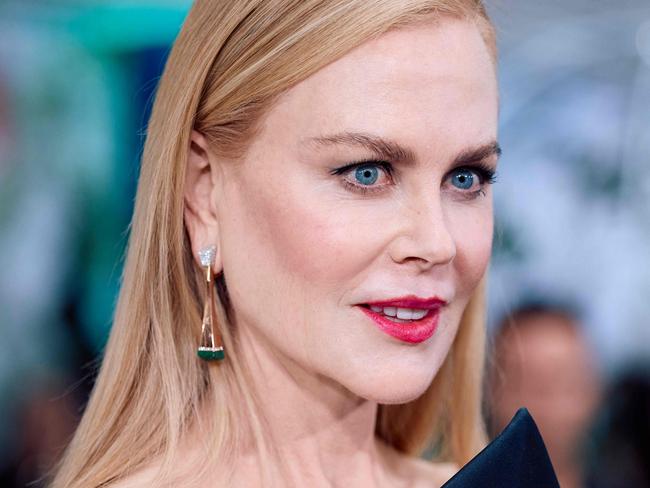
(231, 60)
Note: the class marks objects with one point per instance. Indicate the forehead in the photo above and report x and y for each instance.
(408, 83)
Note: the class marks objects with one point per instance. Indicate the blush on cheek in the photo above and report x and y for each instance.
(295, 239)
(308, 239)
(473, 249)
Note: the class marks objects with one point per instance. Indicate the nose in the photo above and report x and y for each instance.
(425, 238)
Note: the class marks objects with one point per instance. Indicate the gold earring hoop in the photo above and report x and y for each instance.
(211, 345)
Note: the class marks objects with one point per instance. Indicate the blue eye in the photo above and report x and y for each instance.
(463, 179)
(366, 174)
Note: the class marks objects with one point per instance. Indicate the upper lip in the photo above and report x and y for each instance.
(410, 301)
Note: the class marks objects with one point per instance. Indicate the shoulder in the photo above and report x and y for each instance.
(428, 472)
(416, 472)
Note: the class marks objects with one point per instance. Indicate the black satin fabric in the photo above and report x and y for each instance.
(516, 458)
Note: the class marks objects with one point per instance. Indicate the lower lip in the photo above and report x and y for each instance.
(413, 332)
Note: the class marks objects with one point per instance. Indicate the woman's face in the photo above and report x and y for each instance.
(306, 244)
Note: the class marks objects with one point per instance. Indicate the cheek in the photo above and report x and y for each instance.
(472, 228)
(309, 241)
(288, 248)
(309, 235)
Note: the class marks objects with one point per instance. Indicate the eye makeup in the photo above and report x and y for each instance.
(484, 173)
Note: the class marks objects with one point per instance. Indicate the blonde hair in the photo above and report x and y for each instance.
(231, 59)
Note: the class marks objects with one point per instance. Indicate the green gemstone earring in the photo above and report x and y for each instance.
(211, 346)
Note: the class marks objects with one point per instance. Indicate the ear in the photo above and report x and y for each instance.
(200, 212)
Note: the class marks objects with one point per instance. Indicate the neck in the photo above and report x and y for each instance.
(323, 433)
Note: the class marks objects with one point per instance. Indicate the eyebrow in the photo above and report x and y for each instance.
(392, 151)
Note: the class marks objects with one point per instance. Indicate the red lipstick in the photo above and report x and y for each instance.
(415, 331)
(411, 301)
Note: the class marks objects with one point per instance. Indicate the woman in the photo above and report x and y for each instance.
(326, 167)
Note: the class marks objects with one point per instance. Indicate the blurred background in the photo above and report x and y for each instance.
(569, 299)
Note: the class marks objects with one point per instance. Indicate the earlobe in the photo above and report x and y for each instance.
(199, 212)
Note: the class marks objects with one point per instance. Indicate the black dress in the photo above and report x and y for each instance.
(516, 458)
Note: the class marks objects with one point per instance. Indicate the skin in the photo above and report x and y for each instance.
(300, 250)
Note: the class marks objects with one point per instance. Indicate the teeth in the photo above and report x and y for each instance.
(404, 313)
(418, 314)
(400, 313)
(390, 311)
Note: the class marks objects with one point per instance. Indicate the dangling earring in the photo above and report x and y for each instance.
(211, 346)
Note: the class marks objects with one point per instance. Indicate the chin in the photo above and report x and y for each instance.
(394, 387)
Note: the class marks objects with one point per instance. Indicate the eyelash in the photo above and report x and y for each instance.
(486, 175)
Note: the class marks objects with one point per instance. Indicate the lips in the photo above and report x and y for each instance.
(414, 331)
(411, 301)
